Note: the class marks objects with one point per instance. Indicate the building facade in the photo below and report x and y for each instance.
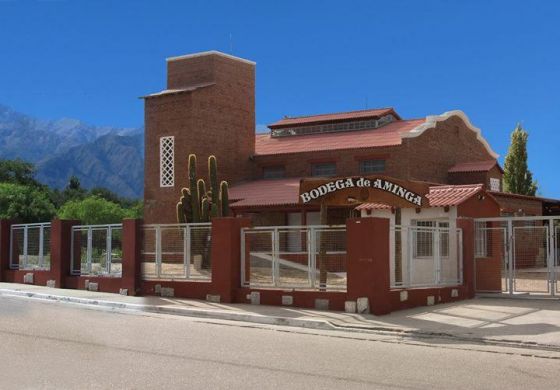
(208, 108)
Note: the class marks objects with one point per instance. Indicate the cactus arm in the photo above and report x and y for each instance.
(215, 190)
(224, 198)
(195, 197)
(205, 209)
(180, 212)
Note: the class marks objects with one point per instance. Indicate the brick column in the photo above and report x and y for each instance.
(61, 248)
(5, 229)
(226, 256)
(131, 260)
(368, 268)
(467, 226)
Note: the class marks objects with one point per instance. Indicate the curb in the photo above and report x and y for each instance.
(186, 312)
(275, 320)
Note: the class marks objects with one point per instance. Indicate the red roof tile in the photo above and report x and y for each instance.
(474, 166)
(388, 135)
(275, 192)
(452, 195)
(283, 192)
(362, 114)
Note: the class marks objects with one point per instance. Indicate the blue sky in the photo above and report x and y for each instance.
(499, 61)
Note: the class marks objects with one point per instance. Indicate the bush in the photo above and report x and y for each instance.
(94, 210)
(24, 203)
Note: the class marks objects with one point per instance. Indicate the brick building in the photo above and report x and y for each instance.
(208, 107)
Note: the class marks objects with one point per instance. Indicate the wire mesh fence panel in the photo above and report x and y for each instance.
(177, 251)
(296, 257)
(97, 250)
(115, 266)
(173, 241)
(293, 265)
(149, 267)
(329, 247)
(198, 247)
(530, 253)
(258, 258)
(17, 242)
(30, 246)
(491, 258)
(397, 266)
(33, 248)
(556, 253)
(99, 254)
(451, 256)
(46, 247)
(422, 264)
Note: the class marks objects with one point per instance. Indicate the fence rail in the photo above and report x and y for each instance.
(97, 250)
(30, 246)
(425, 256)
(296, 257)
(177, 251)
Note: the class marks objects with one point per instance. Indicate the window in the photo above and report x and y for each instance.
(423, 239)
(372, 166)
(274, 172)
(494, 184)
(480, 240)
(167, 161)
(323, 169)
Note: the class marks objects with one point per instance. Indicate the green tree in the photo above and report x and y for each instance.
(73, 190)
(94, 210)
(517, 177)
(18, 172)
(25, 204)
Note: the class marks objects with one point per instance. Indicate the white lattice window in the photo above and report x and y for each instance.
(494, 184)
(167, 161)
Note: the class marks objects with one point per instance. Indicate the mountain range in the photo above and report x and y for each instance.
(100, 156)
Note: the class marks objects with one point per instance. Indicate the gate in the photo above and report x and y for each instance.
(97, 250)
(177, 251)
(518, 255)
(30, 246)
(294, 257)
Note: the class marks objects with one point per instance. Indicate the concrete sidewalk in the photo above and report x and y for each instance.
(511, 322)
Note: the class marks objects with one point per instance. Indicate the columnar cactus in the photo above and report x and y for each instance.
(196, 203)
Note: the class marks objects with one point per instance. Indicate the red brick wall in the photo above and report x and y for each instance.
(217, 119)
(427, 157)
(512, 204)
(475, 177)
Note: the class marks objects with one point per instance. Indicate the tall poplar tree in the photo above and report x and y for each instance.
(517, 177)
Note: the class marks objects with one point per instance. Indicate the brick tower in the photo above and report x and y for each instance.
(207, 108)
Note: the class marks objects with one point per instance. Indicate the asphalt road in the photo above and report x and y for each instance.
(62, 346)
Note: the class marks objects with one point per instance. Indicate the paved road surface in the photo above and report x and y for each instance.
(54, 345)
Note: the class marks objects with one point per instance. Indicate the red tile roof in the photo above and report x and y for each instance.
(388, 135)
(452, 195)
(475, 166)
(275, 192)
(305, 120)
(283, 192)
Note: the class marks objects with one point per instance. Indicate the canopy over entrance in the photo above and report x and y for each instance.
(353, 190)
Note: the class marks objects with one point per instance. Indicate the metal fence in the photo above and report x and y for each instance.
(296, 257)
(30, 246)
(97, 250)
(518, 255)
(425, 256)
(177, 251)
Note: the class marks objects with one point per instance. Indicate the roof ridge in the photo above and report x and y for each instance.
(339, 112)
